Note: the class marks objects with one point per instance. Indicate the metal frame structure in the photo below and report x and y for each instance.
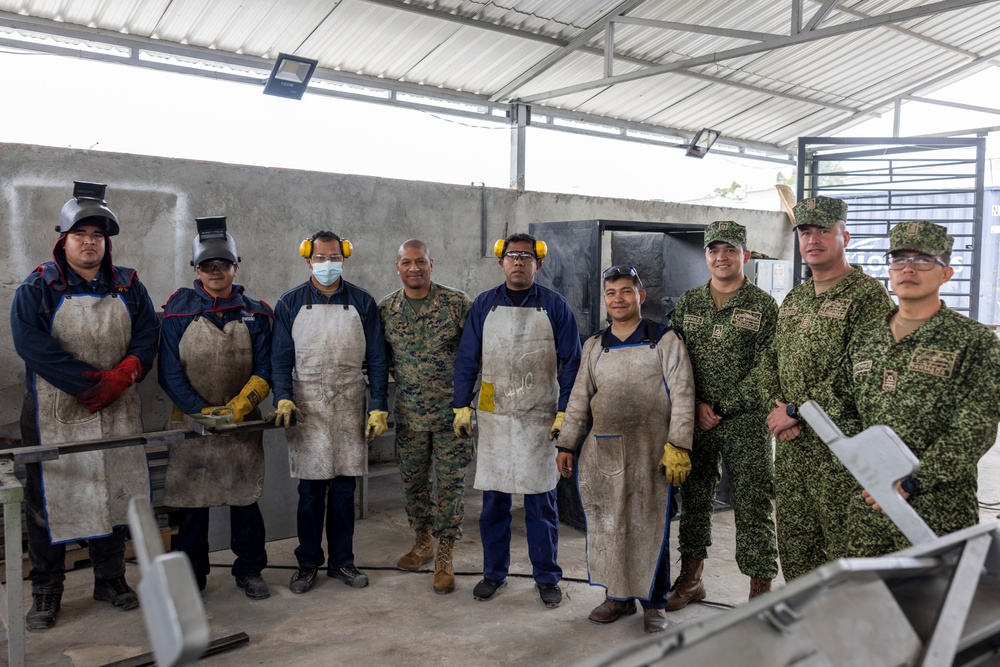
(529, 93)
(891, 180)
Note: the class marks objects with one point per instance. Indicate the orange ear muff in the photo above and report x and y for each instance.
(346, 249)
(541, 250)
(498, 248)
(305, 248)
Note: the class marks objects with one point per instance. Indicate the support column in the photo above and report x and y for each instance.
(520, 118)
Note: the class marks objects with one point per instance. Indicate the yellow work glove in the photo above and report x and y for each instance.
(556, 425)
(254, 391)
(214, 416)
(377, 424)
(676, 464)
(286, 414)
(463, 422)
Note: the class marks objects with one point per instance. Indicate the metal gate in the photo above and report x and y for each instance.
(890, 180)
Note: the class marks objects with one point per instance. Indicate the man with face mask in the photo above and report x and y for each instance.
(215, 357)
(87, 332)
(526, 340)
(324, 330)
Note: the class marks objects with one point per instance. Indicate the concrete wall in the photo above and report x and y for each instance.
(271, 210)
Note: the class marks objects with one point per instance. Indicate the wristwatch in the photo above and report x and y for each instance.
(792, 410)
(717, 409)
(911, 486)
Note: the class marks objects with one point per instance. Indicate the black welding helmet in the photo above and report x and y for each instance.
(87, 205)
(213, 242)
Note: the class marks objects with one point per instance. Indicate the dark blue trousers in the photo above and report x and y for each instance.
(246, 539)
(542, 523)
(332, 500)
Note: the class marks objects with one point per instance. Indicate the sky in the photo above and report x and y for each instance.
(76, 103)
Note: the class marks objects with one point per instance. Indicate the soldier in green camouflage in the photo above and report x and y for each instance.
(932, 376)
(815, 323)
(423, 323)
(728, 326)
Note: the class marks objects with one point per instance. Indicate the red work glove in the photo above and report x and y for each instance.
(110, 384)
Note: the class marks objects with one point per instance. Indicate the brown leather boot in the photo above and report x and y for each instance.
(611, 610)
(759, 586)
(654, 620)
(688, 586)
(444, 567)
(421, 553)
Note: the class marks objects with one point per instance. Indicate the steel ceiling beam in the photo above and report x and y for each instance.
(821, 14)
(771, 45)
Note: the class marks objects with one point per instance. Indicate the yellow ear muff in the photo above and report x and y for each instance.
(346, 249)
(498, 248)
(541, 250)
(305, 248)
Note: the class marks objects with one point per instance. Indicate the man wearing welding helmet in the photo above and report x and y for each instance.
(324, 331)
(87, 332)
(525, 339)
(215, 361)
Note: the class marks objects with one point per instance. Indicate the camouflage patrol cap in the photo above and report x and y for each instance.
(820, 211)
(920, 236)
(726, 231)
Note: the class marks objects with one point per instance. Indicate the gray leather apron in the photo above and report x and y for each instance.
(216, 470)
(624, 494)
(87, 494)
(517, 402)
(329, 388)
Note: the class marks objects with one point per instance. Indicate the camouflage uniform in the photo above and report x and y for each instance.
(422, 347)
(812, 335)
(937, 389)
(730, 349)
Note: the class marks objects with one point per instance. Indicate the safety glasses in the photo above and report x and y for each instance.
(212, 265)
(621, 271)
(919, 263)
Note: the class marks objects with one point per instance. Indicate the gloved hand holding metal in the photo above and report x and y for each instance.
(556, 425)
(110, 384)
(214, 416)
(463, 422)
(676, 464)
(254, 391)
(285, 414)
(377, 424)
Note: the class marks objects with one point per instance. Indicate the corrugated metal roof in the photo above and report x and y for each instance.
(508, 51)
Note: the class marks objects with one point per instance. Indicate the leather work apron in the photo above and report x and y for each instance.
(329, 388)
(624, 494)
(216, 470)
(87, 494)
(517, 402)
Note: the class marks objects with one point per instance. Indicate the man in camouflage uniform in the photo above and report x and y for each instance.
(932, 376)
(815, 322)
(423, 323)
(728, 326)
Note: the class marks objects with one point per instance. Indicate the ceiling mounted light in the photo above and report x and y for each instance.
(702, 142)
(290, 76)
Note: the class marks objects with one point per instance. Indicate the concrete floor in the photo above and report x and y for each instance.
(398, 620)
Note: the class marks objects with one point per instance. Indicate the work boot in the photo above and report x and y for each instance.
(255, 587)
(302, 580)
(350, 575)
(759, 586)
(43, 612)
(444, 567)
(421, 553)
(688, 587)
(117, 592)
(611, 610)
(550, 594)
(654, 620)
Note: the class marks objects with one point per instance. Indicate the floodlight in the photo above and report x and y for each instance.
(290, 76)
(702, 142)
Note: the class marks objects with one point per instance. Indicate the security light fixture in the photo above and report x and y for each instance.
(290, 76)
(702, 142)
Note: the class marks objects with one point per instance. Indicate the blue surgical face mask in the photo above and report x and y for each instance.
(328, 272)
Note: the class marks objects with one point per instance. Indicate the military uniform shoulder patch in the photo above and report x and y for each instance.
(835, 308)
(747, 319)
(693, 319)
(862, 367)
(788, 311)
(938, 363)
